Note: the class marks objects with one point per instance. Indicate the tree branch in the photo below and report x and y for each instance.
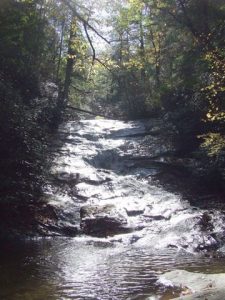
(82, 19)
(87, 111)
(90, 42)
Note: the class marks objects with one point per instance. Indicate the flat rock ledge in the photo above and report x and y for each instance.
(195, 285)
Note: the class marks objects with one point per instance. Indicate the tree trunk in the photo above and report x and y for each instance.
(142, 48)
(64, 92)
(60, 51)
(70, 61)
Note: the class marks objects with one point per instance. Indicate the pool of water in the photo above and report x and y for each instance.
(84, 268)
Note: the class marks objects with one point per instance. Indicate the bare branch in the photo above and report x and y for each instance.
(87, 112)
(94, 58)
(82, 19)
(90, 42)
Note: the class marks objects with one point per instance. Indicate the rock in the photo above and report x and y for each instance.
(157, 217)
(134, 212)
(75, 193)
(103, 221)
(97, 182)
(68, 178)
(198, 285)
(49, 89)
(208, 243)
(69, 231)
(206, 222)
(101, 244)
(54, 229)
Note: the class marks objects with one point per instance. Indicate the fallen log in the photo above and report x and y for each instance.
(87, 112)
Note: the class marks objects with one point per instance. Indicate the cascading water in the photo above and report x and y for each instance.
(129, 230)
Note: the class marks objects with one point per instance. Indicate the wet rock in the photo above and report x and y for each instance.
(69, 231)
(134, 239)
(101, 244)
(97, 182)
(159, 212)
(76, 194)
(68, 178)
(206, 222)
(134, 212)
(157, 217)
(172, 246)
(55, 229)
(103, 221)
(198, 285)
(209, 243)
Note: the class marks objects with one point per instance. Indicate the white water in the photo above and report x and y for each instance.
(166, 230)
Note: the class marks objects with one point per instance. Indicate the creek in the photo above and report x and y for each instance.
(127, 228)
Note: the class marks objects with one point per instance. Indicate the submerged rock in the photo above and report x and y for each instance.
(103, 220)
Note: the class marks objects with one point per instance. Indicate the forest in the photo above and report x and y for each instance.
(138, 59)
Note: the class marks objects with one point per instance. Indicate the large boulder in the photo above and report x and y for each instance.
(195, 285)
(102, 221)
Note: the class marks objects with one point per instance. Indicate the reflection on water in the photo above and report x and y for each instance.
(80, 268)
(115, 268)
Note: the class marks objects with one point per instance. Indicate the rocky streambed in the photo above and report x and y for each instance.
(116, 228)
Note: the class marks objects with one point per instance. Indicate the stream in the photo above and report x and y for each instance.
(123, 228)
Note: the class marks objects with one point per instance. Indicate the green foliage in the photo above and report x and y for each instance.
(22, 146)
(25, 35)
(214, 143)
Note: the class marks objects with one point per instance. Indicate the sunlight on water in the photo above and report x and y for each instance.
(85, 268)
(93, 166)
